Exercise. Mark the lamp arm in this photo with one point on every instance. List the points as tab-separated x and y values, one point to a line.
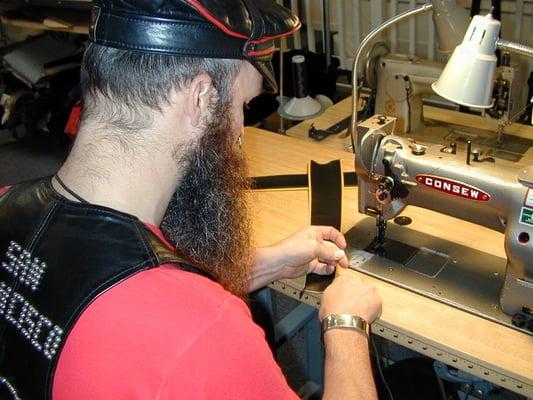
394	20
514	47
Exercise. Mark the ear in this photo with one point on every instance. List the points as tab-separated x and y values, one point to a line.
198	95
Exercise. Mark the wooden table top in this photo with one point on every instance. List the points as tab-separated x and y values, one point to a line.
479	346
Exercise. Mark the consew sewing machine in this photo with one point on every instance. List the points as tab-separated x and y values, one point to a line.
394	172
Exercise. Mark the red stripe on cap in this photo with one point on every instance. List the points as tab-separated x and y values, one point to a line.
207	15
4	189
264	52
267	38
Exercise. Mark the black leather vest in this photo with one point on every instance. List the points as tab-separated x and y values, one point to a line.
56	257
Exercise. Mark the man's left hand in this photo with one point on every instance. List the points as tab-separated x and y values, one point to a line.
316	249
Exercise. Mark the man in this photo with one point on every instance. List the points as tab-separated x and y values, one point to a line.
96	304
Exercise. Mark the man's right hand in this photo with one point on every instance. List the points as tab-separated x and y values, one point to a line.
348	371
349	294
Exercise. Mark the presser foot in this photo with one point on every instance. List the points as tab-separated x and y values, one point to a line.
376	246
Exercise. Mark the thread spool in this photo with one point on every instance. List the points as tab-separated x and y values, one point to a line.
301	106
299	77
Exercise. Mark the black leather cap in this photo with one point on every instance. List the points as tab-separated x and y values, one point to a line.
241	29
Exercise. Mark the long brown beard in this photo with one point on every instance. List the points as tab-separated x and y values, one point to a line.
207	218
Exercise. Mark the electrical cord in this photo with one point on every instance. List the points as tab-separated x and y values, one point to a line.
408	91
519	113
3	37
378	366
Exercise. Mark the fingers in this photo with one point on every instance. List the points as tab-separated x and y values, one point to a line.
329	253
331	234
321	268
344	262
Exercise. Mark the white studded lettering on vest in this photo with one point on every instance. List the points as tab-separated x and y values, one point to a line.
43	334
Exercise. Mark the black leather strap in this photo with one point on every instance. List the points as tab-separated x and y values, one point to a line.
326	193
325	208
292	181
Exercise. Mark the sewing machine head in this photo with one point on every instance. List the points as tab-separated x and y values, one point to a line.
400	82
395	171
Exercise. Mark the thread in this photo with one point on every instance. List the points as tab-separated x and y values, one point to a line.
299	77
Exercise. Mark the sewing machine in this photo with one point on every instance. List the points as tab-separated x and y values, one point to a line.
393	172
400	83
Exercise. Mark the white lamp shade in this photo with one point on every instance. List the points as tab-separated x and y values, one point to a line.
468	77
299	109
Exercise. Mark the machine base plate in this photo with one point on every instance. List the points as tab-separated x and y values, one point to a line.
457	275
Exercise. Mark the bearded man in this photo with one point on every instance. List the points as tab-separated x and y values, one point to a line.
95	303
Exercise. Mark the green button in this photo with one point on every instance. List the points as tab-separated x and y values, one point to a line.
527	216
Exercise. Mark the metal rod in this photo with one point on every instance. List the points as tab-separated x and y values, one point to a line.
325	32
281	82
514	47
412	30
311	45
296	36
357	22
431	39
355	92
393	31
519	13
340	34
376	13
282	45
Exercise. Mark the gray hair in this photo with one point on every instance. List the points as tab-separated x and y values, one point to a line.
123	89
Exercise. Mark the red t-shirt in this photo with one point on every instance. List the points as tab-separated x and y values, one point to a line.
167	334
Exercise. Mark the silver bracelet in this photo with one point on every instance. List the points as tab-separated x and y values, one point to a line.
345	321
